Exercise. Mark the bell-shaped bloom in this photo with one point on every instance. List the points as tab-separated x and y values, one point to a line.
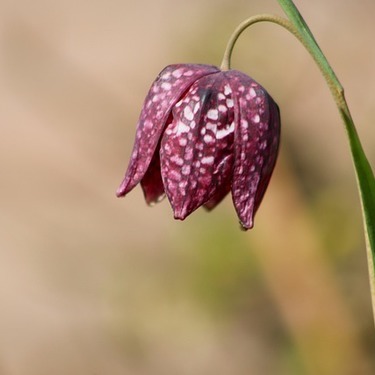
203	133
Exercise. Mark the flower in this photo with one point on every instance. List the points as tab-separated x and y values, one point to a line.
202	133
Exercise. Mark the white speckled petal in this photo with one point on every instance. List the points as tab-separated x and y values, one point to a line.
164	93
197	146
256	144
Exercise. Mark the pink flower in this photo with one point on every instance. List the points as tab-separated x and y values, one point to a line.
202	133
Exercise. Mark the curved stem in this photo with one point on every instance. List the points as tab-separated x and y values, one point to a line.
364	174
225	65
329	75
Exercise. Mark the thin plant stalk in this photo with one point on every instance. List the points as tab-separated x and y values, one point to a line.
364	173
365	177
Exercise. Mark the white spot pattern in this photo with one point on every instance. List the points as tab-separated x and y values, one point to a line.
196	108
181	128
213	114
177	73
166	86
227	90
256	118
225	132
162	96
182	142
208	160
188	113
208	152
208	138
222	108
254	161
252	93
222	134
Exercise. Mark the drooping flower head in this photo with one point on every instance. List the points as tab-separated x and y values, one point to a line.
203	133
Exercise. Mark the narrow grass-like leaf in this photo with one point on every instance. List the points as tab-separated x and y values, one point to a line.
364	173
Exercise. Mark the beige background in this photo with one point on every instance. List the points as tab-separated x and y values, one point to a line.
90	284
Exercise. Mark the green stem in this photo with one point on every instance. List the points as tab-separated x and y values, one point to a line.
365	177
309	43
364	173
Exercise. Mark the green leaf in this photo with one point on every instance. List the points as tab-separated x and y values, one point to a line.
364	173
366	187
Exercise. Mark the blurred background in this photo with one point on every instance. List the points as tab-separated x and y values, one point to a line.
91	284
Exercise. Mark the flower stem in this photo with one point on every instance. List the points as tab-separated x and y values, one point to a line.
309	43
364	174
226	63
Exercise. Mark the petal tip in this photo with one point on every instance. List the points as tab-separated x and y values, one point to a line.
245	211
180	215
122	189
246	226
180	212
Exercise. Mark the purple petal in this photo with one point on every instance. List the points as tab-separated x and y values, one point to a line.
256	143
197	147
166	90
152	183
225	176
